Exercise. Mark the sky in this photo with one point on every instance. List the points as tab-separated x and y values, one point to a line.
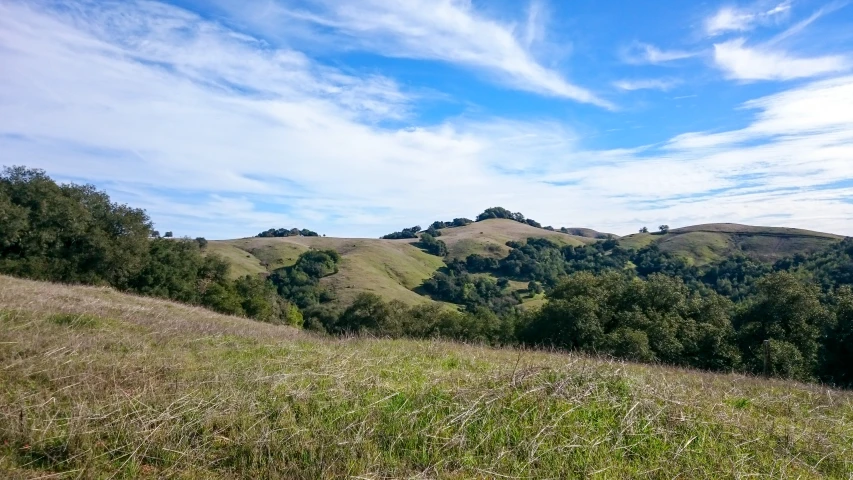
223	118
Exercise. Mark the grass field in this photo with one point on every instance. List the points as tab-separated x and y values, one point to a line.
97	384
702	244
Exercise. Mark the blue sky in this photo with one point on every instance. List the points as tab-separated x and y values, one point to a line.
356	118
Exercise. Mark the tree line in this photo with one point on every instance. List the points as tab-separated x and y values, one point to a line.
284	232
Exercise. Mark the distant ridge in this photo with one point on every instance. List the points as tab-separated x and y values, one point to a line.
753	230
707	243
588	233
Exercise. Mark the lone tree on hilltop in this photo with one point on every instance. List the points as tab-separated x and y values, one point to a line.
663	228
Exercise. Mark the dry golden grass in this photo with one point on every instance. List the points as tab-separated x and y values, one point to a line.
489	237
155	316
96	384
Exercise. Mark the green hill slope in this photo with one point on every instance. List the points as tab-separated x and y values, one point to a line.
393	268
386	267
97	384
390	268
702	244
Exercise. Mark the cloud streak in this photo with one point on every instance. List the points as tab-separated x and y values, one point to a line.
769	60
450	31
741	62
729	19
663	84
645	54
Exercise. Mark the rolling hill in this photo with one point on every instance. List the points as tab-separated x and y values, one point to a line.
390	268
488	238
99	384
702	244
394	268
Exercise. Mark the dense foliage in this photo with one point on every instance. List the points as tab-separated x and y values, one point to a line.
283	232
500	212
300	283
411	232
369	314
472	291
75	234
653	320
647	305
68	233
433	246
456	222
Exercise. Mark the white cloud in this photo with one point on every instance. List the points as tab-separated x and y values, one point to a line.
646	84
643	53
224	136
730	18
444	30
741	62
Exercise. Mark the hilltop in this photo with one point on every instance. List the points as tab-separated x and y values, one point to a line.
98	384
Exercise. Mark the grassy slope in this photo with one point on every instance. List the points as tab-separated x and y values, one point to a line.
703	244
385	267
242	262
489	237
271	253
393	268
390	268
99	384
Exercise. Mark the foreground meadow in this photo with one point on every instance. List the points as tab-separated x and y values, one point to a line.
98	384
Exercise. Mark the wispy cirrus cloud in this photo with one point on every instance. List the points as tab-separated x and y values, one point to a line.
663	84
742	62
730	18
771	60
643	53
444	30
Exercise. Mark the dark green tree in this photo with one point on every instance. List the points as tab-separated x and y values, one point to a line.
787	312
837	355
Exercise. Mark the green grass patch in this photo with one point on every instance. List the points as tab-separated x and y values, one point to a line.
76	320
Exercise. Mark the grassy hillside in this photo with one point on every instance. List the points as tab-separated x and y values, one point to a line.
270	253
242	262
97	384
489	237
394	268
390	268
702	244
